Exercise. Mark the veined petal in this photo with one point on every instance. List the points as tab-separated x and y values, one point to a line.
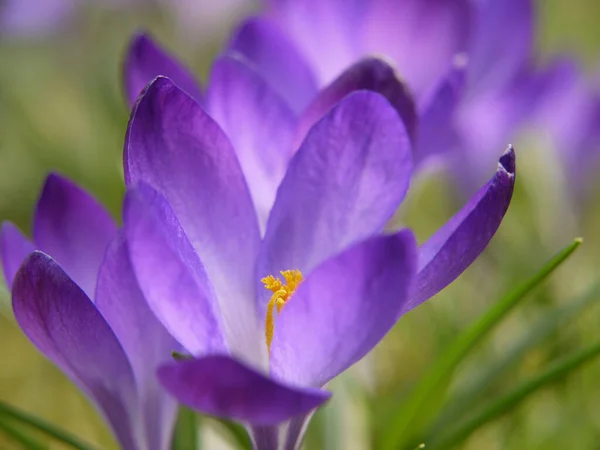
259	124
370	74
436	132
66	327
277	60
445	255
14	248
146	60
169	273
502	41
223	387
73	228
343	309
174	146
420	36
342	186
324	31
144	339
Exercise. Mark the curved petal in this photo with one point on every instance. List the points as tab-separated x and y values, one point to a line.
73	228
436	132
325	32
259	124
370	74
169	273
64	325
342	186
343	309
277	60
144	339
173	145
223	387
446	254
14	248
420	36
146	60
502	41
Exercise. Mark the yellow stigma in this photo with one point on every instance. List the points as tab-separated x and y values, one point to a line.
281	294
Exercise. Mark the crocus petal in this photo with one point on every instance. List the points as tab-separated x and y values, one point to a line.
72	227
14	248
342	186
64	324
343	309
420	36
324	31
436	133
173	145
146	60
144	339
223	387
259	124
445	255
502	41
277	60
371	74
170	275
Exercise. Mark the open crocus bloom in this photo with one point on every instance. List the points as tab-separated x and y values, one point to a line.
83	309
335	284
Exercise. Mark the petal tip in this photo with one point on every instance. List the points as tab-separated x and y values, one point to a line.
507	162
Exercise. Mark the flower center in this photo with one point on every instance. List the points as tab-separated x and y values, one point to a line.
281	295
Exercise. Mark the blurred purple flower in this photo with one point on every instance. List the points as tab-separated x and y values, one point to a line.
462	60
221	196
83	309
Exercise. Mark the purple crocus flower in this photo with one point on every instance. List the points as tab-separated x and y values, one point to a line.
235	188
82	308
463	62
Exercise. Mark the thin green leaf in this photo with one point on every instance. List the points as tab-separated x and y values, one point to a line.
15	434
43	426
429	388
185	436
237	433
504	404
464	401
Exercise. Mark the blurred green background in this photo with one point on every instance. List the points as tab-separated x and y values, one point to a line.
62	109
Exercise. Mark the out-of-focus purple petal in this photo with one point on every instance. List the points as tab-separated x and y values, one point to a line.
146	60
223	387
342	186
32	17
14	248
446	254
420	36
370	74
174	146
72	227
144	339
259	124
64	324
327	33
343	309
277	60
502	41
169	272
436	133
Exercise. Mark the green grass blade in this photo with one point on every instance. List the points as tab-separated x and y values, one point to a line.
16	435
540	331
504	404
429	388
237	433
43	426
185	436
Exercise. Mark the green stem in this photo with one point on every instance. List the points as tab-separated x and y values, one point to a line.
43	426
502	405
17	435
427	390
